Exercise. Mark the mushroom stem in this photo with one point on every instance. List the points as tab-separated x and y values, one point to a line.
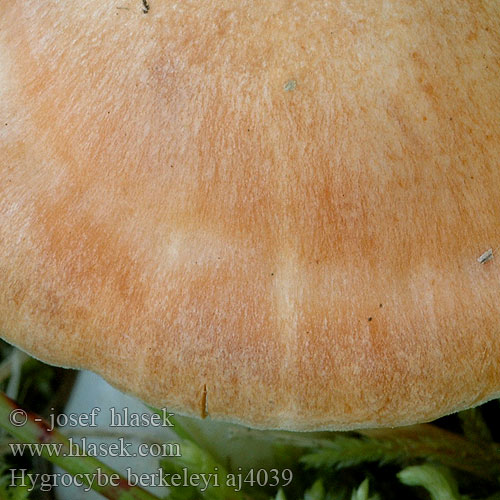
11	367
196	458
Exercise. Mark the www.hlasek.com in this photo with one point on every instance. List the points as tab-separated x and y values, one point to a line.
82	448
203	481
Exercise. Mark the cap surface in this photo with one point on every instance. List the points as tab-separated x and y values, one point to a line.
267	212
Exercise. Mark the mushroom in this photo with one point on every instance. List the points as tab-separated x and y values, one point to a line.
269	213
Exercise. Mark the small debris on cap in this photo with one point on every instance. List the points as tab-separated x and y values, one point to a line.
488	255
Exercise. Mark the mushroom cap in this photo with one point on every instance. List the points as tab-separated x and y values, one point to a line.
266	212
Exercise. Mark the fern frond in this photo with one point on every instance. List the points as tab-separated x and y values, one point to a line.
406	444
346	451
